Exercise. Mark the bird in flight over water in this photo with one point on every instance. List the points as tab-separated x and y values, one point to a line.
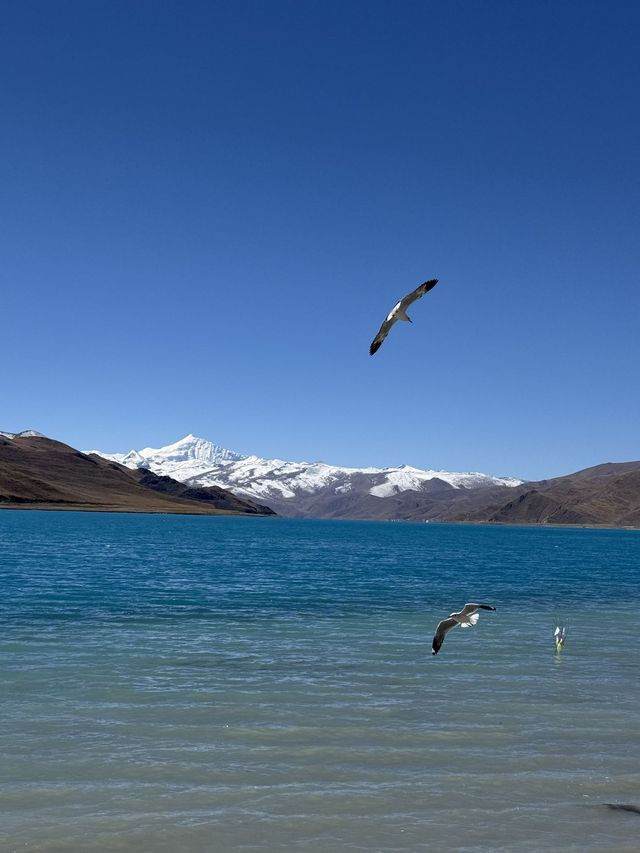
399	312
466	618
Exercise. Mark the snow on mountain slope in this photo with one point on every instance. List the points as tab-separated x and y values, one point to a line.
183	460
407	478
200	462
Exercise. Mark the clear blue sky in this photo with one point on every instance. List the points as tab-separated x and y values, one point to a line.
208	208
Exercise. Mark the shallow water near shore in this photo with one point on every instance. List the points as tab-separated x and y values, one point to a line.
229	684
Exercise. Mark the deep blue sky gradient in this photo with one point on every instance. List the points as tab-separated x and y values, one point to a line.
208	208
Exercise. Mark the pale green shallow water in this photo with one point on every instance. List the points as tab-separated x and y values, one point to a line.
190	684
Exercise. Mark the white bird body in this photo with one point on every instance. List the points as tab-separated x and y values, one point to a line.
399	312
465	621
466	618
560	635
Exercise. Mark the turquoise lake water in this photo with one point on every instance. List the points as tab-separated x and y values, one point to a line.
227	684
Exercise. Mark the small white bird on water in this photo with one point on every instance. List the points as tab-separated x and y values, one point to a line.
399	312
466	618
560	635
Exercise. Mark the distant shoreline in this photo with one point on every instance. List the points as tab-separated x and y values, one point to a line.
230	513
84	508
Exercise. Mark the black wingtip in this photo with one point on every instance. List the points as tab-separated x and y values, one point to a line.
374	348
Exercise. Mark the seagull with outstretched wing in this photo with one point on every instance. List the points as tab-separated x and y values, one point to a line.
466	618
399	312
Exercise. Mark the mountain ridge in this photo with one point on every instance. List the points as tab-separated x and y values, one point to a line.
36	471
284	485
607	494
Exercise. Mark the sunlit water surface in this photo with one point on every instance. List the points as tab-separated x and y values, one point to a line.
217	684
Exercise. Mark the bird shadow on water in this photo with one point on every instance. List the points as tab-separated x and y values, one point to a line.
622	807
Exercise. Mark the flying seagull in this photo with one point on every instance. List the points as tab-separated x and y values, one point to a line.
467	617
399	312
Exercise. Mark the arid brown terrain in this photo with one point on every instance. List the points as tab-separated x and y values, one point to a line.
40	473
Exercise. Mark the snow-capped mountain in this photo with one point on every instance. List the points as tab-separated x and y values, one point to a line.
26	433
184	460
297	488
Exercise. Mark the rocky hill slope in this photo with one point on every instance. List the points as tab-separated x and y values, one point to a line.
607	494
38	472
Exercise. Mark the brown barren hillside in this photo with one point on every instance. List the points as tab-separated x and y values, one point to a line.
607	495
38	472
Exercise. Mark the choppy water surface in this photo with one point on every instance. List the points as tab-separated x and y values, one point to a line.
219	684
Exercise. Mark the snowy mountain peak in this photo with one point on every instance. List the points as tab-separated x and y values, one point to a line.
133	459
26	433
183	460
284	484
191	448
